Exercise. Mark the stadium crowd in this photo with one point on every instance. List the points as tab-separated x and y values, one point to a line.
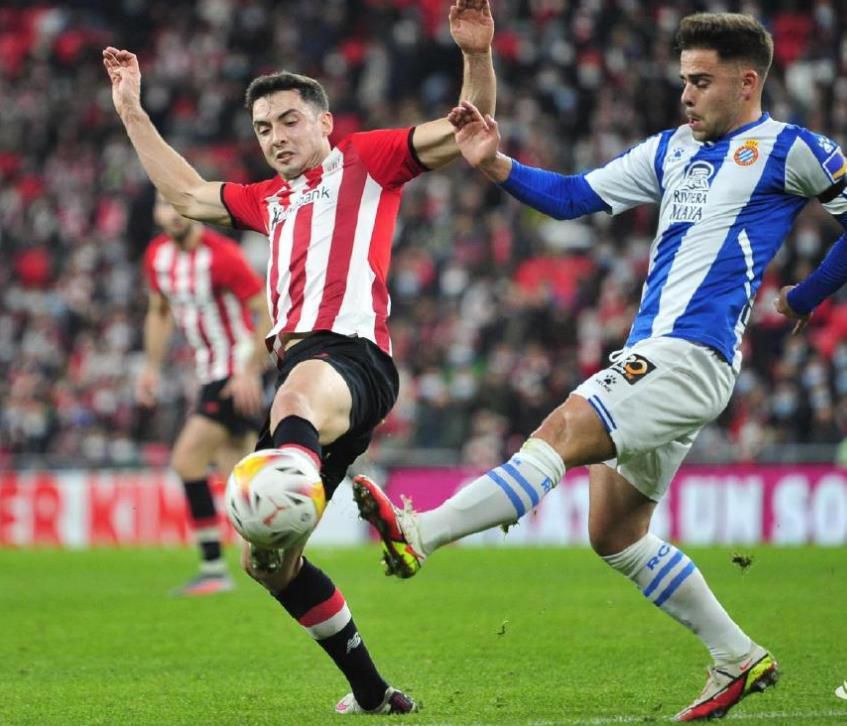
497	312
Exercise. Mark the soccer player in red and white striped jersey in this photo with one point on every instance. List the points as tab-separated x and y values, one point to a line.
329	215
201	281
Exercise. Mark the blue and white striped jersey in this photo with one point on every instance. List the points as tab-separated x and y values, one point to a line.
725	207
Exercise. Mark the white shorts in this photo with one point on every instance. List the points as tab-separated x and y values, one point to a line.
653	401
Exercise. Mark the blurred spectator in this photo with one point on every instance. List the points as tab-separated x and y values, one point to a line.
498	311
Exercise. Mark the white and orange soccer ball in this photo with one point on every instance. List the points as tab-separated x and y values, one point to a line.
274	498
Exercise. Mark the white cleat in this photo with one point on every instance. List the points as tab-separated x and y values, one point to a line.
395	702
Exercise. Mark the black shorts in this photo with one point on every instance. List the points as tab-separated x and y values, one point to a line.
221	410
372	379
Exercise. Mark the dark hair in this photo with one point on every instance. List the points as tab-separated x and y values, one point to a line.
734	36
310	90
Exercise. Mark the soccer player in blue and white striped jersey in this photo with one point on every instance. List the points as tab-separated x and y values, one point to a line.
729	185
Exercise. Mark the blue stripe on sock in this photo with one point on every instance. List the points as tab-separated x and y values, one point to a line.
675	583
599	412
513	497
606	411
664	571
525	485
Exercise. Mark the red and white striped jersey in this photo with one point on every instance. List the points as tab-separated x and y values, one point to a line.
330	233
207	289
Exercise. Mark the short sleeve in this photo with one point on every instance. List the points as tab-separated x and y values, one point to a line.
814	165
231	271
630	179
150	268
388	155
244	202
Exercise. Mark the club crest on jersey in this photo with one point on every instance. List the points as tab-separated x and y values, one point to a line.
633	368
747	153
690	197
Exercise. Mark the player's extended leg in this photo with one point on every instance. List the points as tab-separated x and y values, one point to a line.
572	434
619	517
310	409
194	451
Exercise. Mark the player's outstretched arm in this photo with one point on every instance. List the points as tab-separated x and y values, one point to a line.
190	194
557	195
472	28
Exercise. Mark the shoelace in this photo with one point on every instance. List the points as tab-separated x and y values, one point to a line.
616	355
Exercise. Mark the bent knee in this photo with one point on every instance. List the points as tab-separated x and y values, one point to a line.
290	402
608	540
603	543
576	433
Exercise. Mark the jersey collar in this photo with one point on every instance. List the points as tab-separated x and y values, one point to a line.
741	129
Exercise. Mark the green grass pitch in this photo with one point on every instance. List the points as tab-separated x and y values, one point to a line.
480	636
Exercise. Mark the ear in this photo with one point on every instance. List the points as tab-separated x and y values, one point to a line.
751	83
327	123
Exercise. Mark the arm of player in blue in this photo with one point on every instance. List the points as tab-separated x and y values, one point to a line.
556	195
829	276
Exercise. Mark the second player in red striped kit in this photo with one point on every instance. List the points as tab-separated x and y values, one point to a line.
200	282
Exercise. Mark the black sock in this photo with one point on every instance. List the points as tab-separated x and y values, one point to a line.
312	599
298	432
204	518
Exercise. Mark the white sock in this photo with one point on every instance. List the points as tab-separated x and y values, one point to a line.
669	579
500	496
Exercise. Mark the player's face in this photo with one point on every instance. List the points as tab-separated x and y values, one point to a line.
172	222
293	134
716	95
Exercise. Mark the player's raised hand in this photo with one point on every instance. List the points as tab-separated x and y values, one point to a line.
123	70
147	387
471	25
477	136
783	308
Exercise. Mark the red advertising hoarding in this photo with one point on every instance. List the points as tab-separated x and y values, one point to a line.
705	505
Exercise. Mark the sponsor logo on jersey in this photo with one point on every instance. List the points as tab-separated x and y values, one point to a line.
691	196
606	381
747	153
633	368
279	213
835	166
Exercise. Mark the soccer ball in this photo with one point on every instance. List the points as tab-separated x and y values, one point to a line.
274	498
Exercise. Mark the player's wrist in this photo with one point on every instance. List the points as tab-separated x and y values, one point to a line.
477	53
253	366
130	112
497	168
